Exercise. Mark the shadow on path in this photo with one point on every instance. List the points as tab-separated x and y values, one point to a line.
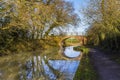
106	68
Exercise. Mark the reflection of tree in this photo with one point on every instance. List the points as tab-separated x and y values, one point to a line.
61	66
56	72
30	68
34	69
11	66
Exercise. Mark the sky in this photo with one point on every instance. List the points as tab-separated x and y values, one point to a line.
79	5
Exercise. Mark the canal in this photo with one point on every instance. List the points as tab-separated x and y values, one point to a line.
32	66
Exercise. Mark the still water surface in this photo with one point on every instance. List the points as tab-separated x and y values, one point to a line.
69	52
37	67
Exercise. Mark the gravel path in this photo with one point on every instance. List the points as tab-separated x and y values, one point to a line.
106	68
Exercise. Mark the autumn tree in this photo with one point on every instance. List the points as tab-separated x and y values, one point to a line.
104	16
39	16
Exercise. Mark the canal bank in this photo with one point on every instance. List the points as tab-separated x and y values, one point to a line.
86	69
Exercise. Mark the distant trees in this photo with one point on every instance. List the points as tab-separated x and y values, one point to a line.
104	15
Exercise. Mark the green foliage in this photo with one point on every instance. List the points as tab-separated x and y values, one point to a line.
105	24
82	48
72	41
85	70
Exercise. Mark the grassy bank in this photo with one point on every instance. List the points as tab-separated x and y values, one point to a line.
85	70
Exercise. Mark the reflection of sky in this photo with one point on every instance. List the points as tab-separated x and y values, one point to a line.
64	66
79	5
70	52
67	68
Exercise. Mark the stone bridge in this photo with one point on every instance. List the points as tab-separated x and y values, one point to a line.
82	39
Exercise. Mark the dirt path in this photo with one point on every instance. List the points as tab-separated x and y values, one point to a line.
107	69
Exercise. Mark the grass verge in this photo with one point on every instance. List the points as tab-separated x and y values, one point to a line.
85	70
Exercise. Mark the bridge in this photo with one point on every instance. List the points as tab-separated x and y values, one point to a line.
82	39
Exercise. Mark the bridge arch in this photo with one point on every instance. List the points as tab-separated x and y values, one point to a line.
82	39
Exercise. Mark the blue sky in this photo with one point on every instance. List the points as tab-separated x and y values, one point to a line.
79	5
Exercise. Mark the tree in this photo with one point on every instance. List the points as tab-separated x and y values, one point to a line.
63	15
105	22
41	16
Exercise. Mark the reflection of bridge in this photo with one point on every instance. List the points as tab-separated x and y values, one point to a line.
82	39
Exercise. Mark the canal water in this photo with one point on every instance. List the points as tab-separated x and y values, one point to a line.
36	67
70	52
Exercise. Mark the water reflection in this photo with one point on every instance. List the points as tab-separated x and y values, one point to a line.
69	52
66	68
36	67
